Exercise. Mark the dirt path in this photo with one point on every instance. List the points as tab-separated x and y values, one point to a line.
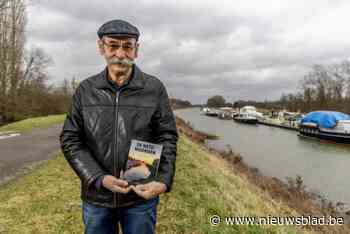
25	151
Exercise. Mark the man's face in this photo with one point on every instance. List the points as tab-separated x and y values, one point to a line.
119	52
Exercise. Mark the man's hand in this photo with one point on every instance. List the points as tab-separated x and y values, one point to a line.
115	185
149	190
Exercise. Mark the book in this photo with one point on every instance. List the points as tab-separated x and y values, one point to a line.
143	162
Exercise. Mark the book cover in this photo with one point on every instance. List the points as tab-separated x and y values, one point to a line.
143	162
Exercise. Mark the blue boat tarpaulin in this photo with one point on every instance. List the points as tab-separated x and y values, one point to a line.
325	119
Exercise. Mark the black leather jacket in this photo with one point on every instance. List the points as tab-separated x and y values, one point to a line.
102	121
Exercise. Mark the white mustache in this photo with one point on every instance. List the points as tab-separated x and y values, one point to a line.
125	62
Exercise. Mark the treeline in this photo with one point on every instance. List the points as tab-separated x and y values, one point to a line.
325	87
178	103
24	91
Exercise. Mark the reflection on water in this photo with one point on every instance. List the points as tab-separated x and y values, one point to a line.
281	153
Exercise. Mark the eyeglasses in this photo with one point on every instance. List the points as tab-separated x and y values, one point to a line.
114	46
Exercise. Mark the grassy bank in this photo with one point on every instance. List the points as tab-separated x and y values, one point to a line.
292	194
47	200
29	124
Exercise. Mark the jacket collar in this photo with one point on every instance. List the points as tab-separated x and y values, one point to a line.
137	80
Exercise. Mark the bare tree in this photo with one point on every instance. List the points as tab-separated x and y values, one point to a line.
3	5
36	62
12	23
325	87
24	91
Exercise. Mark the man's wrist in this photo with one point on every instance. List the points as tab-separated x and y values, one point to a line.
98	182
164	182
161	186
164	187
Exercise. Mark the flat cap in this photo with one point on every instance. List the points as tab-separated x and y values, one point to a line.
118	28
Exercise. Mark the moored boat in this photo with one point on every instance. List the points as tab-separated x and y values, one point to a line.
246	118
209	112
251	110
226	113
326	125
248	114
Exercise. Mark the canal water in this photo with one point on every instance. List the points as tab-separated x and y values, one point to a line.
324	167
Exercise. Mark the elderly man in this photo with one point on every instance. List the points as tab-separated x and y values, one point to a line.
109	110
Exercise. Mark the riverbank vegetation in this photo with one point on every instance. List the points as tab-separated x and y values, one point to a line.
178	103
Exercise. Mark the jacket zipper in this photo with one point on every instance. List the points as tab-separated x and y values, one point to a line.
116	195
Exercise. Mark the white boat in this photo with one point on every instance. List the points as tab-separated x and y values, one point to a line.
248	114
209	112
226	113
252	111
247	118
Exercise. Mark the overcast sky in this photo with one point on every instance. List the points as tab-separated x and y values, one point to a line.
241	49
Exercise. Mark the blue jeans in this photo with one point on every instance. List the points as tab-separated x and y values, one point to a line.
140	218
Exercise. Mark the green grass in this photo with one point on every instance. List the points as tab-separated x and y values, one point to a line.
29	124
47	200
